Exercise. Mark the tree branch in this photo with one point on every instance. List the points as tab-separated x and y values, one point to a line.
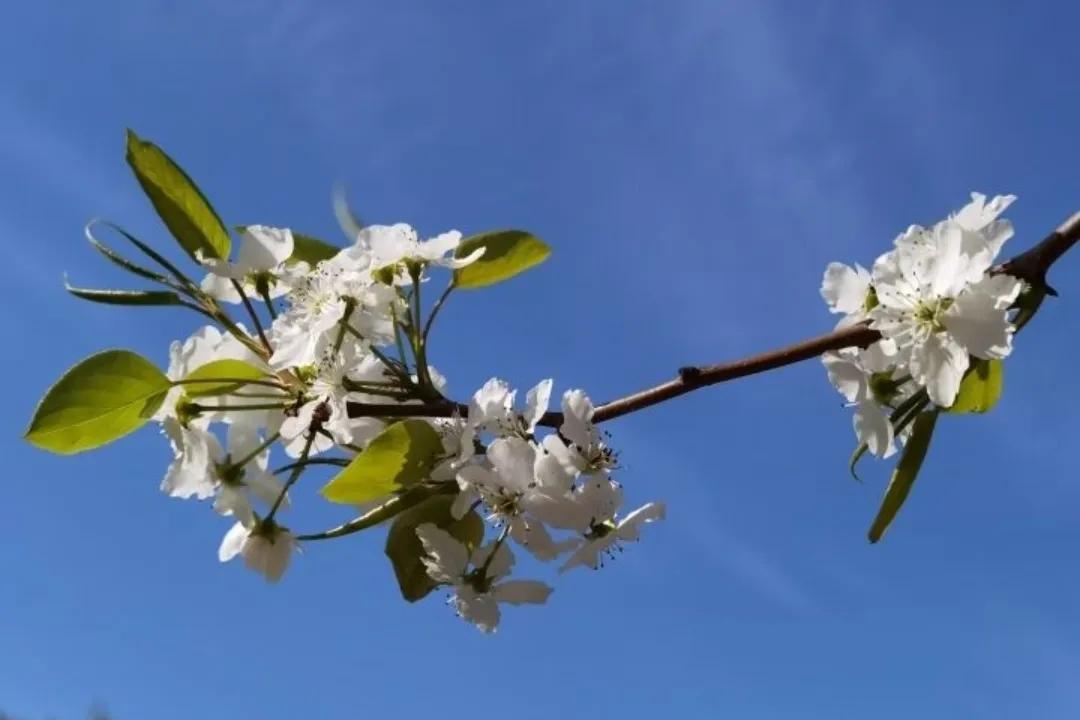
1031	266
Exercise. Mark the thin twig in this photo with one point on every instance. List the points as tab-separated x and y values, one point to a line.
1031	266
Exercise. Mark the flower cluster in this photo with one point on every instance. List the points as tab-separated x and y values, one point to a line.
346	333
940	309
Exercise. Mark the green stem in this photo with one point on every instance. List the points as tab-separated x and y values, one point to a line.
419	349
264	293
252	314
254	453
294	475
383	512
435	311
402	376
338	462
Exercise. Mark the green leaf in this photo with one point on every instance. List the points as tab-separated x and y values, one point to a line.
101	399
980	389
125	297
200	381
904	475
506	253
311	250
180	204
399	456
405	550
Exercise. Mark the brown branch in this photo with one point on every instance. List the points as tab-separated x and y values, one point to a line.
1030	266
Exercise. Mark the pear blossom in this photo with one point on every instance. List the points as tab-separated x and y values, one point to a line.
872	383
265	546
260	265
605	538
392	245
938	302
586	451
491	409
518	482
201	468
847	291
206	345
476	592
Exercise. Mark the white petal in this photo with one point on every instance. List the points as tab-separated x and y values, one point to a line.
846	375
522	592
514	460
220	288
438	246
577	426
264	248
481	610
844	288
233	542
627	528
872	427
446	558
939	363
536	403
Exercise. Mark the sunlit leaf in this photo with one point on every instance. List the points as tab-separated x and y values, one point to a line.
103	398
981	387
220	377
904	474
506	253
399	456
178	201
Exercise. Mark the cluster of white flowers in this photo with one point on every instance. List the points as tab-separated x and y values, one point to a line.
339	338
937	304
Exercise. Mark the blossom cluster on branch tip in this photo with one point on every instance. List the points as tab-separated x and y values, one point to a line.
941	310
339	337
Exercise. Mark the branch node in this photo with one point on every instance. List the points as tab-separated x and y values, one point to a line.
689	373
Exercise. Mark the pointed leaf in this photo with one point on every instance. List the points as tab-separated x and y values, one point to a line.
178	201
980	389
311	250
904	475
405	550
125	297
201	380
401	455
506	253
101	399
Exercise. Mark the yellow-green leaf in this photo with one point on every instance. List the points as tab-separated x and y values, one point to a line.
103	398
506	253
220	377
981	387
178	201
405	550
904	475
311	250
399	456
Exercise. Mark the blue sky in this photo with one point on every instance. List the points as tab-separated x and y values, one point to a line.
694	165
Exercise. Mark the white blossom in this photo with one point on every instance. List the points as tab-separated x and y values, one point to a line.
938	302
266	547
260	260
476	592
